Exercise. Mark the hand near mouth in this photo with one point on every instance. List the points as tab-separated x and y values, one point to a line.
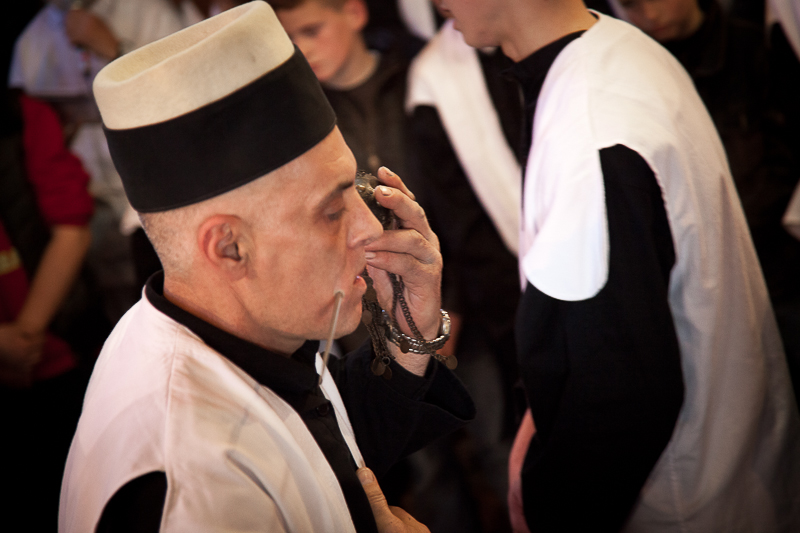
411	251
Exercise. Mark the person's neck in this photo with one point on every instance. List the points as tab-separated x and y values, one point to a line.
360	65
222	309
534	25
693	23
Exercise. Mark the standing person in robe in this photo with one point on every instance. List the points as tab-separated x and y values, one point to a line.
206	410
651	360
466	125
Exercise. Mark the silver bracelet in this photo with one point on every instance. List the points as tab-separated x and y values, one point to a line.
410	344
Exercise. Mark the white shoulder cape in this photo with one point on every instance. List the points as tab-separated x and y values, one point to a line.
237	457
733	462
447	75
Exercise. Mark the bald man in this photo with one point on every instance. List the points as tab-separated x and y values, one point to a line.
209	408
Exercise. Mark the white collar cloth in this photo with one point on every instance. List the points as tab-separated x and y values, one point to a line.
447	75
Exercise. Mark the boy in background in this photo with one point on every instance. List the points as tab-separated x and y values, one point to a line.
364	82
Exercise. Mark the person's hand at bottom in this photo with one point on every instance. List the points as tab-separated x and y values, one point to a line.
390	519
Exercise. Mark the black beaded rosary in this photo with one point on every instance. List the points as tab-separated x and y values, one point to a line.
375	318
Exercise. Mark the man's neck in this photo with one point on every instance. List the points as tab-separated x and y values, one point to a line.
533	25
220	308
361	64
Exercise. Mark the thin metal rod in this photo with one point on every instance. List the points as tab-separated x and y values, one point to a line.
337	304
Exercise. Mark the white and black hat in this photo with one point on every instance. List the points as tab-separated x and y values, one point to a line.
210	108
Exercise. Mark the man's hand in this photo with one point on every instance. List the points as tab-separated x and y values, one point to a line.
515	461
389	519
19	353
411	251
87	30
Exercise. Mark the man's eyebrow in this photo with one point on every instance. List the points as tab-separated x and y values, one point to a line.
341	187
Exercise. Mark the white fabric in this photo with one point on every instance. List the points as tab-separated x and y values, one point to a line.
237	457
418	17
447	75
192	68
733	462
46	64
791	219
787	13
331	392
138	23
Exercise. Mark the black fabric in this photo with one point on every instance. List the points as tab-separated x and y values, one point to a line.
38	425
603	375
224	144
390	418
136	507
381	411
372	116
480	280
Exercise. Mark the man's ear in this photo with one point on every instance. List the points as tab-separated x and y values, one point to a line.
222	243
357	13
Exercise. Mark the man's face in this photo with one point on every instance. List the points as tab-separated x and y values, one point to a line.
309	243
664	20
325	35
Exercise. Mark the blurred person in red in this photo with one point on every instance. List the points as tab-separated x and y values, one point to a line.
45	210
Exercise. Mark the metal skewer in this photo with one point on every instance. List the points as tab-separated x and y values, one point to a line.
337	304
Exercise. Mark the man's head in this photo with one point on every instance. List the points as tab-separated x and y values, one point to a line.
266	226
664	20
328	32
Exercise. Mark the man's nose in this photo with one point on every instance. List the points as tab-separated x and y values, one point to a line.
366	227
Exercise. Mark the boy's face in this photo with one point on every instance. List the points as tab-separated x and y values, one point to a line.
664	20
324	34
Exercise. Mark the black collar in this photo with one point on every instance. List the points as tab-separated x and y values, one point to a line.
292	378
703	53
531	71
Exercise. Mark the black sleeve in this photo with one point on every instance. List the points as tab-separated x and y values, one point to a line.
136	507
393	418
603	375
479	279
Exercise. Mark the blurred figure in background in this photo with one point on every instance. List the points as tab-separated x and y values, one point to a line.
45	209
466	124
55	59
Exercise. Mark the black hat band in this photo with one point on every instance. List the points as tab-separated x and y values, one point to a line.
225	144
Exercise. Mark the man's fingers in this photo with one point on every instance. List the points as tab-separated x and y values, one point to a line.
404	206
377	501
387	177
388	519
410	243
